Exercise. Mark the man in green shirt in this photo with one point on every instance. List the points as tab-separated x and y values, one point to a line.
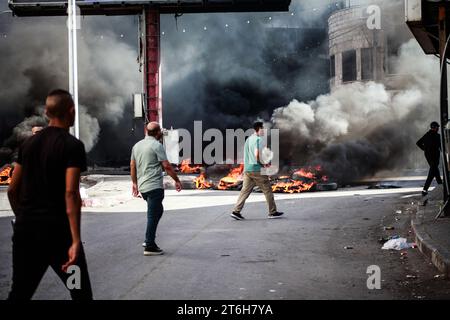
148	159
252	175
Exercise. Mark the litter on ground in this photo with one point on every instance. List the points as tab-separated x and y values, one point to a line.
397	244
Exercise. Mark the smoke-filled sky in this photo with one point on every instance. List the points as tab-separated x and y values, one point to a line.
226	70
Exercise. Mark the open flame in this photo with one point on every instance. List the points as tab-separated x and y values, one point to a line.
303	179
202	183
5	175
229	182
232	179
187	167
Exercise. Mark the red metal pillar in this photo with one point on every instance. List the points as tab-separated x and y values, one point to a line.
152	78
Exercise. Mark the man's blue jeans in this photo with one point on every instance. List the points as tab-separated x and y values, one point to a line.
155	210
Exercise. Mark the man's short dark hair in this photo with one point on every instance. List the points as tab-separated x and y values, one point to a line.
60	103
258	125
434	125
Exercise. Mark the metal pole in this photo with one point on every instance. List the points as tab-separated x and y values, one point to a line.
69	30
443	98
152	64
73	62
75	69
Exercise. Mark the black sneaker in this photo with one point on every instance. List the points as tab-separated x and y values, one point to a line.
275	215
237	216
153	251
424	193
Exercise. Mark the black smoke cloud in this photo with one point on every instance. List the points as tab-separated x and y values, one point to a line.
225	76
34	61
361	129
242	67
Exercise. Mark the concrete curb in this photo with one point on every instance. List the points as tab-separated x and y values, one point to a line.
438	255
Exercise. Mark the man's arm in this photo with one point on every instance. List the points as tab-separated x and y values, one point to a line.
133	173
73	210
258	156
14	186
421	143
168	168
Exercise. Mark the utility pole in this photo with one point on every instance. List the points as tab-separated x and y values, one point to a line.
444	100
152	69
73	61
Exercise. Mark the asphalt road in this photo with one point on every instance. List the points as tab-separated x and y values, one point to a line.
211	256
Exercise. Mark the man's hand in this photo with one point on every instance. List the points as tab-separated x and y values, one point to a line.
135	190
73	254
73	209
169	169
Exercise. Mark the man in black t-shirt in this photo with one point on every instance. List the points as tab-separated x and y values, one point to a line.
44	195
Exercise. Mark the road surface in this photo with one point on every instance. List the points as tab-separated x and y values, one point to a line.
211	256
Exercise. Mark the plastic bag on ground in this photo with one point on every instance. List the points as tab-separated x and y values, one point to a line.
397	244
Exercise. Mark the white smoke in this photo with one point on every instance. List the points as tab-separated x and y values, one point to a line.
34	62
89	129
89	136
349	118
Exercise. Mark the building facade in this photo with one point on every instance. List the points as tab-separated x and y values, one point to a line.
358	52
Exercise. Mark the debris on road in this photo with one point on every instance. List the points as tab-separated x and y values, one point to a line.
348	247
383	240
389	228
410	276
397	244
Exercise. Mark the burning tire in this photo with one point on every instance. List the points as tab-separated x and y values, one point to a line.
230	184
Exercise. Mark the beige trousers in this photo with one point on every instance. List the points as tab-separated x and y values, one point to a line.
252	179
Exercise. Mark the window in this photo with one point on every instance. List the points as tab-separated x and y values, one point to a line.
349	66
332	66
392	51
367	64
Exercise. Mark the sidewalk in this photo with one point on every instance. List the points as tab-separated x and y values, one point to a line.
433	236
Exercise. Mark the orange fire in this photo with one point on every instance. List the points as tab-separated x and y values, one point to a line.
186	167
304	173
303	179
232	179
5	175
292	186
201	182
